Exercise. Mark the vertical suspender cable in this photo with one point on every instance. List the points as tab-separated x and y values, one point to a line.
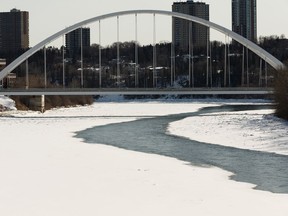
207	54
190	54
225	62
260	72
81	42
154	52
247	65
100	57
192	46
63	61
211	68
27	74
243	67
136	52
173	52
45	67
229	65
266	74
118	54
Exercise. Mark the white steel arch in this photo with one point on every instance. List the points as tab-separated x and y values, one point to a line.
274	62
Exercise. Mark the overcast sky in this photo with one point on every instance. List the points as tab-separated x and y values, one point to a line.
48	17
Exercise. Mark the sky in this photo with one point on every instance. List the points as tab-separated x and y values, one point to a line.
49	17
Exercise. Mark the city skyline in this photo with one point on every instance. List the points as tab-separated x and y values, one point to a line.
44	23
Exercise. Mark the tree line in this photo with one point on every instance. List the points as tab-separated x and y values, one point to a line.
235	64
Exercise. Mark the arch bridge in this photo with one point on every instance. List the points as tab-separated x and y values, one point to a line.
264	55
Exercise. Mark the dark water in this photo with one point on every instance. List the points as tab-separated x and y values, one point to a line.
266	170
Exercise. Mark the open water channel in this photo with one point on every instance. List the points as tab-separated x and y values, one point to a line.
268	171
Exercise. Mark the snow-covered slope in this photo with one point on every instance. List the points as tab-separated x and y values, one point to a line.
6	103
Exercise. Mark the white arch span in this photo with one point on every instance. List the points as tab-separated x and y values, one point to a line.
274	62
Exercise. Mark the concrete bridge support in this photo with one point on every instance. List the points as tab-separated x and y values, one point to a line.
37	103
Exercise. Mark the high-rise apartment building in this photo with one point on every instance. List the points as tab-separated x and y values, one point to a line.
244	18
73	42
200	33
14	32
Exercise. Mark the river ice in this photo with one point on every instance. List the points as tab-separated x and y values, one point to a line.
255	130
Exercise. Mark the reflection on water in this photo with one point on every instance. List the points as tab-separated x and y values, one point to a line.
266	170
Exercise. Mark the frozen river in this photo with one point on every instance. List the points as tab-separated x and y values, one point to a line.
110	158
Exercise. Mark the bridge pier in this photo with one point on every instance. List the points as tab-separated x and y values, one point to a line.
37	103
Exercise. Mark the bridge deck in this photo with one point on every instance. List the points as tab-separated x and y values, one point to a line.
137	91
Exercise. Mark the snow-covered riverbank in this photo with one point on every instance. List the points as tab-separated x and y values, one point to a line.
46	171
6	104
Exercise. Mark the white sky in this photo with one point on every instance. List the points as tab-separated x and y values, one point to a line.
48	17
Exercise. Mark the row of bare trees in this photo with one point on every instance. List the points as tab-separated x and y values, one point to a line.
216	56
